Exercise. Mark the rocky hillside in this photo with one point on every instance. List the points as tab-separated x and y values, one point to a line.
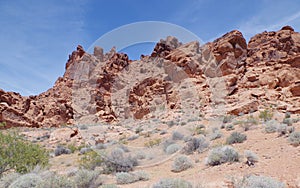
226	76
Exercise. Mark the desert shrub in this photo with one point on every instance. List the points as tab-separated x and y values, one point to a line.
250	156
177	135
266	115
83	127
20	155
99	146
124	148
251	121
254	181
171	123
199	129
167	143
117	161
86	178
152	143
55	181
2	124
172	183
271	126
127	178
282	129
221	155
8	179
216	133
290	129
236	137
287	115
181	163
59	150
90	160
84	150
133	137
294	138
109	186
288	121
140	155
227	118
229	127
173	148
195	144
27	180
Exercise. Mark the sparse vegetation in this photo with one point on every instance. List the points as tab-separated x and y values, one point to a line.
216	133
199	129
221	155
236	137
117	161
181	163
131	177
173	148
266	115
177	135
195	144
87	178
251	157
152	143
172	183
294	138
20	155
271	126
90	160
2	124
254	181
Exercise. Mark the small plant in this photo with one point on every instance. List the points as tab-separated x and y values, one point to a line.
138	130
83	127
229	127
173	148
251	121
8	179
199	129
181	163
127	178
236	137
221	155
195	144
251	157
172	183
20	155
2	124
59	150
227	118
86	178
287	115
288	121
90	160
27	180
282	129
266	115
177	135
109	186
254	181
167	143
294	138
271	126
53	180
152	143
117	161
216	133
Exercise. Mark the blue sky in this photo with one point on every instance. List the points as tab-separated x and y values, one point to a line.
36	36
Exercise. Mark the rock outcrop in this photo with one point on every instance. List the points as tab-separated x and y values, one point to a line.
224	76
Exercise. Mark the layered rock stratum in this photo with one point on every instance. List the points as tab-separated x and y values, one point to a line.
226	76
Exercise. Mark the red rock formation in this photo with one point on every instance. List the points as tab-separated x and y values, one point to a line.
227	71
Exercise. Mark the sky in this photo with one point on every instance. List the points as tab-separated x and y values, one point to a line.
36	37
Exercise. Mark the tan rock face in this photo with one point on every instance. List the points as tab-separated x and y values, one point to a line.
226	72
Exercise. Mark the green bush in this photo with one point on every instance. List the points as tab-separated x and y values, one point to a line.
294	138
90	160
236	137
221	155
20	155
181	163
172	183
266	115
